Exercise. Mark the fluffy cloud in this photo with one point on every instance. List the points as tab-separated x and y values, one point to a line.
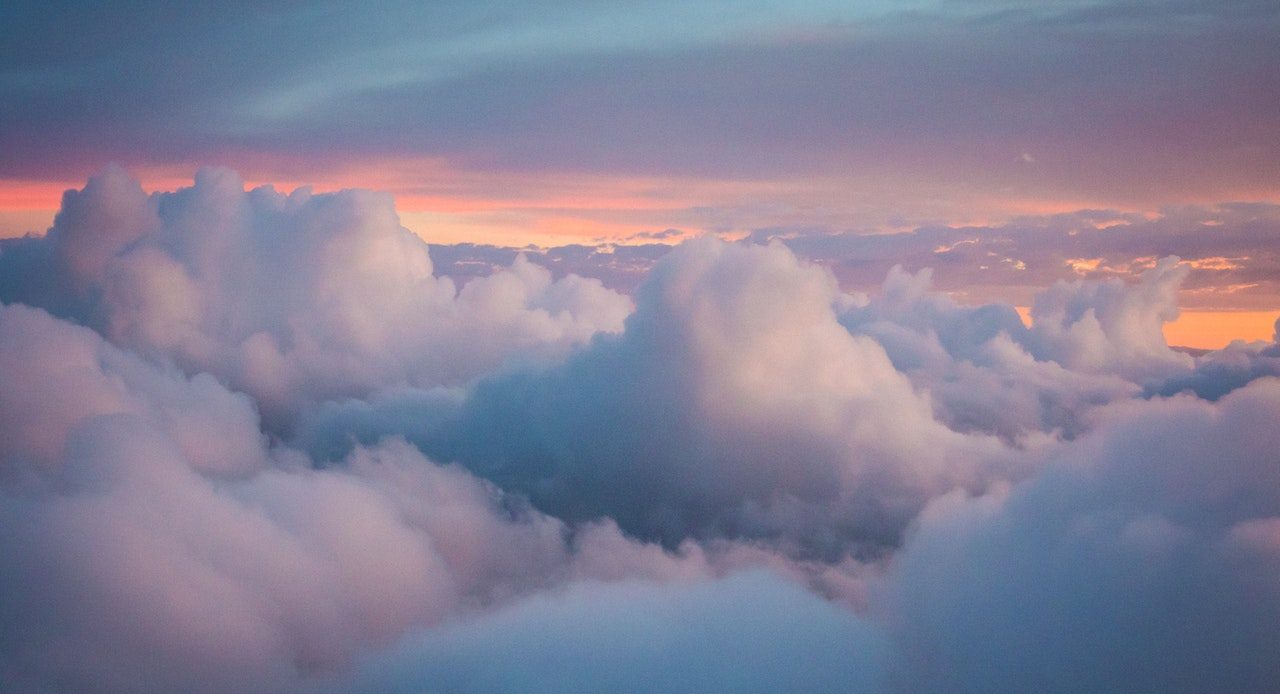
153	540
749	396
1110	327
524	483
290	298
54	376
734	403
1220	372
980	363
1143	559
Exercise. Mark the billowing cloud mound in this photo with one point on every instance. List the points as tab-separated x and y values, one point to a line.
249	442
289	298
986	371
749	396
153	540
1110	327
1144	559
734	403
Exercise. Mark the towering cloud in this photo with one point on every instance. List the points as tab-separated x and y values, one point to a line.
1108	327
734	402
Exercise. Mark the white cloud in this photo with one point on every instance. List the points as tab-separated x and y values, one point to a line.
295	298
1143	559
734	403
940	495
1108	326
153	541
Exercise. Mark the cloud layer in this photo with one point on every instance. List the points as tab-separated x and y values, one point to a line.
253	442
1229	251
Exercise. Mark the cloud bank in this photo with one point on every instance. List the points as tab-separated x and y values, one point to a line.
1228	249
252	442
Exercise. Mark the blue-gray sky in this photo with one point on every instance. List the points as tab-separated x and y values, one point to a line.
696	115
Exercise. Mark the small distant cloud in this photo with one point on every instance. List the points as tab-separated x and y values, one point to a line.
664	235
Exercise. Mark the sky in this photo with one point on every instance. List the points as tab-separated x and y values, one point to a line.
667	347
565	123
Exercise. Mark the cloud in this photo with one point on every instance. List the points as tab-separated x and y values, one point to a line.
1222	371
1142	559
622	268
54	376
748	633
154	541
749	397
733	403
1228	250
253	442
290	298
1109	327
985	370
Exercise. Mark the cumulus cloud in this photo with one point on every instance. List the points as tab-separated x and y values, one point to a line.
290	298
749	396
986	370
54	376
252	442
1221	371
733	403
153	540
1143	559
1109	327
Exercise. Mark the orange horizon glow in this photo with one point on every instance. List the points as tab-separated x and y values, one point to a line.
503	207
1200	329
1217	329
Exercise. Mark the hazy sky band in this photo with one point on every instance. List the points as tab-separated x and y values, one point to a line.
1135	103
586	123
